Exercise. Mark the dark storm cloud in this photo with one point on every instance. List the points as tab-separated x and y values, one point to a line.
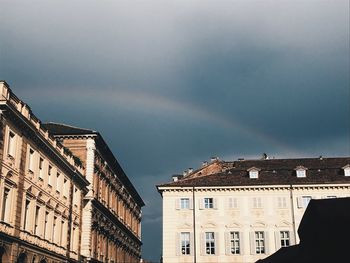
171	83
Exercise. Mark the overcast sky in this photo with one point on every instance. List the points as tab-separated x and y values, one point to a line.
171	83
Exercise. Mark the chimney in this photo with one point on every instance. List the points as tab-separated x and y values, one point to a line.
213	159
204	163
190	170
184	173
176	177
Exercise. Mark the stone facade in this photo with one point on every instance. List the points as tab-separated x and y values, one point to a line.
111	229
225	212
41	189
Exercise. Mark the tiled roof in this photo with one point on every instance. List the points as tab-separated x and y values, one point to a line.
272	172
64	129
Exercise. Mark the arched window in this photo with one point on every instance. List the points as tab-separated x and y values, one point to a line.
22	258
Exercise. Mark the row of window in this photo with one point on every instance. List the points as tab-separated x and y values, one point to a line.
233	242
37	163
256	202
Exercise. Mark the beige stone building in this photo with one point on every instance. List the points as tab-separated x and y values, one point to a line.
244	210
111	228
41	189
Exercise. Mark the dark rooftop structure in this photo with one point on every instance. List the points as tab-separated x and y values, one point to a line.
323	232
270	172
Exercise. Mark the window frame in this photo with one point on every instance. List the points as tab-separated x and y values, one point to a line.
208	202
11	144
235	243
185	243
210	248
259	240
284	238
184	203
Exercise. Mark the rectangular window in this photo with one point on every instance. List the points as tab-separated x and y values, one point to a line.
301	173
257	202
65	187
259	242
185	243
234	243
208	202
233	203
26	213
306	200
11	148
41	169
49	172
36	226
58	182
285	239
62	231
46	223
5	205
210	243
184	203
282	202
31	160
54	228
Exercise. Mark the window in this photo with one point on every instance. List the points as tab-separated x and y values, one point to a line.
259	242
253	174
232	203
234	243
185	243
11	148
26	213
54	228
46	223
306	200
282	202
285	239
5	205
61	234
209	243
41	171
347	170
301	173
208	203
49	172
65	188
36	226
184	203
58	182
257	202
31	160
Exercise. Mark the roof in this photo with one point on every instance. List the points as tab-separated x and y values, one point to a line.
64	129
272	172
60	129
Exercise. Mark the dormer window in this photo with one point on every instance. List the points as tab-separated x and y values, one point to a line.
346	169
253	173
300	171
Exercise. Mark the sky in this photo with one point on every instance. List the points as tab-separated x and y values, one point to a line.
170	84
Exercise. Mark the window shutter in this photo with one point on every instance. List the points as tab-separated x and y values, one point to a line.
300	202
217	243
201	203
191	203
177	203
230	203
177	244
227	243
252	243
241	243
292	238
277	240
191	244
215	203
202	244
267	241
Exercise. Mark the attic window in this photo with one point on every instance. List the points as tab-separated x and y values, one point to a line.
300	171
347	170
253	173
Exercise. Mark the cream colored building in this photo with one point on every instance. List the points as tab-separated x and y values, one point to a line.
111	228
244	210
41	188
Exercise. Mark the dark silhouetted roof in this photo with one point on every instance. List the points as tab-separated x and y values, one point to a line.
272	172
64	129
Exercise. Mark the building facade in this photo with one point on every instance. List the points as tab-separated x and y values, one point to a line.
41	189
111	228
244	210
